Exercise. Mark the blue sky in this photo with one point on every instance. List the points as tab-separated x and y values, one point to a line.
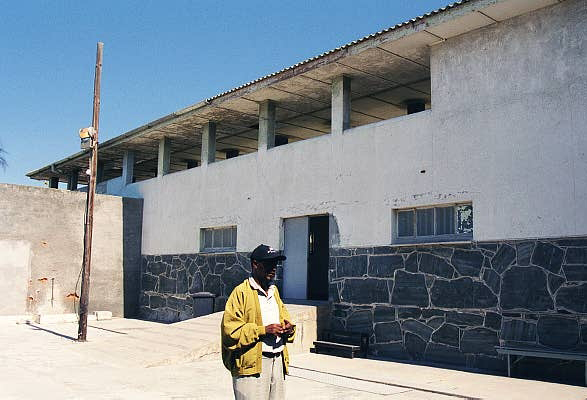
159	56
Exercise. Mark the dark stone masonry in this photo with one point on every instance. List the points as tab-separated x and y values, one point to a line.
169	281
453	303
442	303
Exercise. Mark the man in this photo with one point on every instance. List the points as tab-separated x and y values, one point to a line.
255	329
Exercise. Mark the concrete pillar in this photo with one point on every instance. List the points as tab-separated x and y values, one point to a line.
128	165
54	182
72	179
209	143
164	157
266	125
341	104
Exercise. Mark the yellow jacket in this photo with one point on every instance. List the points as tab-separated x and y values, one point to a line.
241	327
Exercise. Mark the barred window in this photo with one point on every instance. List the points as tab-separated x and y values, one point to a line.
218	239
441	223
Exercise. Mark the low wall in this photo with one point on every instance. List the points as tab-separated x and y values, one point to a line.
168	281
41	251
453	303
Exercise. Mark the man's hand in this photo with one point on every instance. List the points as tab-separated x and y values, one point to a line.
288	328
274	329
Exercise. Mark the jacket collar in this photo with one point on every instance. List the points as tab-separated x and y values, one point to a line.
256	286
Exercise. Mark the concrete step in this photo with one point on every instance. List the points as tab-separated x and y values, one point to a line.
151	344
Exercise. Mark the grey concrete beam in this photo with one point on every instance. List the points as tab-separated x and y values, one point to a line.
164	156
266	125
341	104
209	143
128	166
72	179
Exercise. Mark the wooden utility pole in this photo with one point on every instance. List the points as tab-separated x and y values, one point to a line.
85	292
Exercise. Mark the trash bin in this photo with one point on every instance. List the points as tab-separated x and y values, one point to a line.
203	303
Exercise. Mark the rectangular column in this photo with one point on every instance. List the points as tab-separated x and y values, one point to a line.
128	165
209	143
341	104
164	157
267	124
72	179
54	182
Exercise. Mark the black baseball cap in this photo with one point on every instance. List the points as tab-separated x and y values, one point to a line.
264	253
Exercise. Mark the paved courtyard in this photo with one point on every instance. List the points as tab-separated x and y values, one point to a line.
128	359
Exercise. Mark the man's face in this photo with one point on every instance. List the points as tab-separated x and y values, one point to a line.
264	271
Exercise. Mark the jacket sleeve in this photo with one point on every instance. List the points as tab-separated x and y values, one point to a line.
236	332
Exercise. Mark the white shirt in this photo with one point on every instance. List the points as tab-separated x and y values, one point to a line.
270	315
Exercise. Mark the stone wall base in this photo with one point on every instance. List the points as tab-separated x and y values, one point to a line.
453	303
449	304
168	282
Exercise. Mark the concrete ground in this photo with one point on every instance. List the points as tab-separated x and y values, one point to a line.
128	359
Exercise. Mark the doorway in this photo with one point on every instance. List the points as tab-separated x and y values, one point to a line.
306	246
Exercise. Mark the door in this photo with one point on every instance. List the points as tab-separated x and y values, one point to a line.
295	267
306	246
318	247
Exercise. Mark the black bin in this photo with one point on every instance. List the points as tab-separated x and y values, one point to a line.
203	303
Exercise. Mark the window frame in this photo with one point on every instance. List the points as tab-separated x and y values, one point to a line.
416	239
222	229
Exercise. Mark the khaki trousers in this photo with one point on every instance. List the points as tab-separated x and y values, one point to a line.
270	385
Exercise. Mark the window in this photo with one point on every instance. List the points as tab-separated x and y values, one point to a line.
434	224
216	240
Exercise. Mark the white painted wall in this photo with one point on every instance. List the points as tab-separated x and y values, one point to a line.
15	272
507	131
115	185
509	105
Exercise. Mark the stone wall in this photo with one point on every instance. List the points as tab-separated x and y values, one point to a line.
168	281
454	303
445	303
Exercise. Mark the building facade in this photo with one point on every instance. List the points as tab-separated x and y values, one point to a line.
441	211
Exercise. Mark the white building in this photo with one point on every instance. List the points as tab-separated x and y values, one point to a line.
490	164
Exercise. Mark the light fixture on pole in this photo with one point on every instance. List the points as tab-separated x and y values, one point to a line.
86	136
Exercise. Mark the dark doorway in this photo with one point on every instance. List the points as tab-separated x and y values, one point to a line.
318	247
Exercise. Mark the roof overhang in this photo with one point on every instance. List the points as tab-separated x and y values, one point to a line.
386	67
